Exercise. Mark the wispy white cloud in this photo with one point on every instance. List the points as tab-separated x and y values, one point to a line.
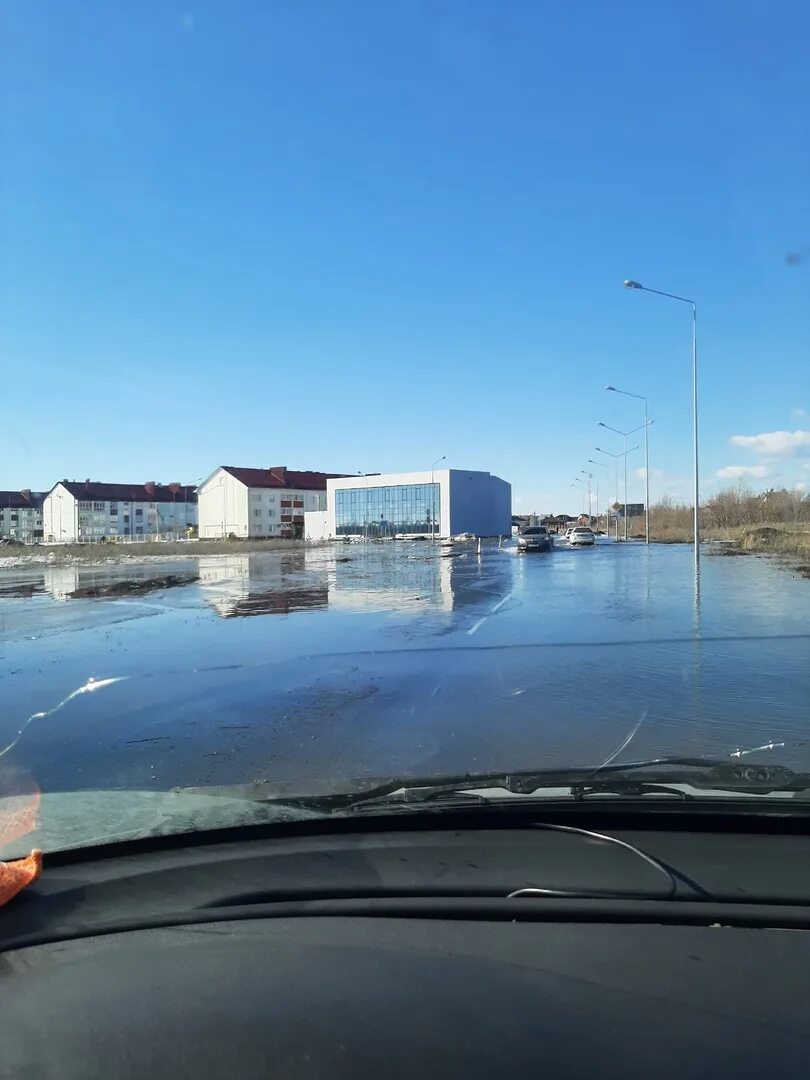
775	444
655	474
740	472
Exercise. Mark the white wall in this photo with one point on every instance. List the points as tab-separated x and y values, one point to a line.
222	506
316	525
59	521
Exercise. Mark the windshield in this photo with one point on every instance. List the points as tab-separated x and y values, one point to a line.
279	285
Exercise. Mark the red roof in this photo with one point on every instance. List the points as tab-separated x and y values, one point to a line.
22	500
281	477
148	492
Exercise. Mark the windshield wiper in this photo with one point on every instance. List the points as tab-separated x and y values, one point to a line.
661	774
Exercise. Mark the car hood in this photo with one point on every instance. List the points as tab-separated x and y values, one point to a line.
71	819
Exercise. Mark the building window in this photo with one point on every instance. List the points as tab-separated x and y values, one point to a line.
85	506
411	509
98	506
271	513
139	513
257	513
139	530
126	519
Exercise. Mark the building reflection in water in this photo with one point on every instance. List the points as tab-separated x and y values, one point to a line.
238	586
367	578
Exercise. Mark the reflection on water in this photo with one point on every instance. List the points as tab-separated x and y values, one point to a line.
77	582
243	585
397	660
362	578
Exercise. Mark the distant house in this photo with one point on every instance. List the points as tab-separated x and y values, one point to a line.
21	515
247	503
78	511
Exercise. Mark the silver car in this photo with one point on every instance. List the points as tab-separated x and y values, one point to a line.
581	536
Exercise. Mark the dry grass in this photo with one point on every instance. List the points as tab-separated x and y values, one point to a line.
774	538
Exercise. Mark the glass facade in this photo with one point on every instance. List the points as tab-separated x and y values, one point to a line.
413	509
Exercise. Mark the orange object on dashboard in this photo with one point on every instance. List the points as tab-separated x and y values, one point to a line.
15	875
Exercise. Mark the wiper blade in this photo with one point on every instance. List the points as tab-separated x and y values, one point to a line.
620	779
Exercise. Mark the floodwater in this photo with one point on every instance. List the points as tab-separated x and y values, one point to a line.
302	670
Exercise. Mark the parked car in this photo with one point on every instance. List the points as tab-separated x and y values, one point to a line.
581	536
535	538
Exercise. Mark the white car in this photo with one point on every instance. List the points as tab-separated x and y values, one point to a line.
581	536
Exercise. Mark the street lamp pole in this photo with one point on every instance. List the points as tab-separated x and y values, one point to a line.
641	397
624	435
616	464
590	478
582	489
433	498
695	495
602	465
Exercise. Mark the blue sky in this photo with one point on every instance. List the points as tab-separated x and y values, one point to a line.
358	236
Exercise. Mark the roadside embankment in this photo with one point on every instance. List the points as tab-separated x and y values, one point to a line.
59	554
753	539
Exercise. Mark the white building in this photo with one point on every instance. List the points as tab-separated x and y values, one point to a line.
443	503
21	515
85	511
258	502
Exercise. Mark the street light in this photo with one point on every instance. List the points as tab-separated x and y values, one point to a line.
684	300
616	479
646	460
433	498
624	435
582	489
590	476
602	465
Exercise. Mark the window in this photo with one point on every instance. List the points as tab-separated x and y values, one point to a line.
113	510
139	530
98	506
85	505
411	509
126	519
271	513
257	513
138	512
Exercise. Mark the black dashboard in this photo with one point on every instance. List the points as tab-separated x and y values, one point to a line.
391	950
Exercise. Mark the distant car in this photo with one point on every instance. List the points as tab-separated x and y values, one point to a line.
581	537
535	538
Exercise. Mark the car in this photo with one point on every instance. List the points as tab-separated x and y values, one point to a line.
581	537
535	538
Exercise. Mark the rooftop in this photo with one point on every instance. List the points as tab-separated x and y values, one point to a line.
151	491
22	500
279	476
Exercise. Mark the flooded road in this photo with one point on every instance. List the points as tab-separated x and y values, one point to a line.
301	669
